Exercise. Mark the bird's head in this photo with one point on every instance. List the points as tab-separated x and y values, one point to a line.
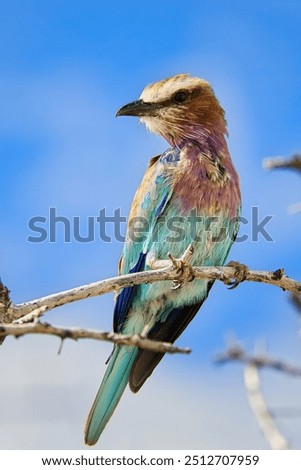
179	108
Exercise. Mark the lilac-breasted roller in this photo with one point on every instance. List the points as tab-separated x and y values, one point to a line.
190	200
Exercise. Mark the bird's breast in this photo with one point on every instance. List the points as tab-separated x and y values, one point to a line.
207	185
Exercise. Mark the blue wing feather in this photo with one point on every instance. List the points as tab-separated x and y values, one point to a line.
150	207
125	297
161	206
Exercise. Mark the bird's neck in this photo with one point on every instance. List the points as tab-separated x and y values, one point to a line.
209	141
206	166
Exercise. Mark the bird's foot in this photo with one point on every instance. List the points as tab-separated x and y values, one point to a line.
240	274
183	270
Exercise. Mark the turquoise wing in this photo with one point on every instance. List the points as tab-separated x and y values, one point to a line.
150	201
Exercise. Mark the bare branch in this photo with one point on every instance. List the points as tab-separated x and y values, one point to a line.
260	410
225	274
293	163
21	314
236	353
32	316
78	333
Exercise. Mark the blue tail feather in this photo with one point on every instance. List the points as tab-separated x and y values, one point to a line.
110	391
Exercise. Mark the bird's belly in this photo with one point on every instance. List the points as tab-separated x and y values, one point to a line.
155	301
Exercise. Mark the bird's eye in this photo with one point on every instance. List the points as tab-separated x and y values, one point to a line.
180	96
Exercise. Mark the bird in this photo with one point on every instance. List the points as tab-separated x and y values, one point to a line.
190	202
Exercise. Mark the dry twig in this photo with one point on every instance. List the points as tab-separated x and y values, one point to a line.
237	353
78	333
276	163
225	274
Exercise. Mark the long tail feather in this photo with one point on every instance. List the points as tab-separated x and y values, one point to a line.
110	392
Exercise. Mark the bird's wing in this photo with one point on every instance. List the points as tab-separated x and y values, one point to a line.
167	331
148	205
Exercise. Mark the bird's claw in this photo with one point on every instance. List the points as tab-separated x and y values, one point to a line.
183	270
240	274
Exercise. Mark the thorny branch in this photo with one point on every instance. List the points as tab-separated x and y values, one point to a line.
78	333
225	274
30	311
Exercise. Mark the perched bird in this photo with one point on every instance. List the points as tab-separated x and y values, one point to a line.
190	200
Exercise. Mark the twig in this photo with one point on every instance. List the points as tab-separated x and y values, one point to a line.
293	163
32	316
78	333
20	314
260	410
224	274
236	353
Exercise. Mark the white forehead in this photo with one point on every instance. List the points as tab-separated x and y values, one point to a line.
165	88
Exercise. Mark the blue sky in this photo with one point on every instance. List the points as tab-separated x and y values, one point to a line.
65	68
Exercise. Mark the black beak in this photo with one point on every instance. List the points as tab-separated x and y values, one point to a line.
137	108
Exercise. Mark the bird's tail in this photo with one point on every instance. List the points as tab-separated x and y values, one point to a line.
110	392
